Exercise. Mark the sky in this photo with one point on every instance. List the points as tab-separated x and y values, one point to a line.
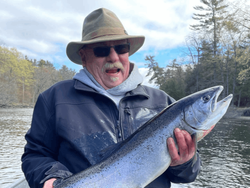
41	29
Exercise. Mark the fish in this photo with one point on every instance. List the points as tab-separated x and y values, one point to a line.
144	156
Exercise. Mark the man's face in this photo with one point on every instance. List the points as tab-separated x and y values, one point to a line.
109	71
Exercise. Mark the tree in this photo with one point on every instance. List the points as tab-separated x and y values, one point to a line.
22	79
174	83
23	73
8	85
65	73
240	14
153	68
44	77
243	78
217	53
235	40
210	23
170	79
193	54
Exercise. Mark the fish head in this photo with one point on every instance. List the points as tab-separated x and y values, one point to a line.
204	111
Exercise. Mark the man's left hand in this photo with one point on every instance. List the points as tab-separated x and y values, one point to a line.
186	147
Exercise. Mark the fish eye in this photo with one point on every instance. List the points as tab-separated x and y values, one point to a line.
206	98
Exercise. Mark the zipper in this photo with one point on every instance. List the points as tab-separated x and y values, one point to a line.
128	112
119	126
120	135
128	120
119	129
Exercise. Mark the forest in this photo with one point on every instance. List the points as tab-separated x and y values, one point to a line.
217	52
22	80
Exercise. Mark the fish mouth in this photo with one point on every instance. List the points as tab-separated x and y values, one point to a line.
218	108
214	102
224	103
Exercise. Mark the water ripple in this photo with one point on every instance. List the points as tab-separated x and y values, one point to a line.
224	152
14	123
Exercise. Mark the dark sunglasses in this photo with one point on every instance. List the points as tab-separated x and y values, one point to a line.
104	51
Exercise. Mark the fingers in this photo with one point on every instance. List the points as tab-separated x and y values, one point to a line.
186	147
190	142
181	142
173	152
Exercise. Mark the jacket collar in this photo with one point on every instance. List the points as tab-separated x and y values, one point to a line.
83	87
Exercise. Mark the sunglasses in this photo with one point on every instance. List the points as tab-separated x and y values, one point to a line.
104	51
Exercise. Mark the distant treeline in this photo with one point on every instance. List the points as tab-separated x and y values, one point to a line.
217	53
22	80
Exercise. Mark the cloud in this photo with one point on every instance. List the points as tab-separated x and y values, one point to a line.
41	28
143	72
165	23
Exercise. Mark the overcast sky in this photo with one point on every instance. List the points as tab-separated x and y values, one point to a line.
42	29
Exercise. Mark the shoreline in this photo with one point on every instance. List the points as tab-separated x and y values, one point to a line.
3	106
237	113
243	118
232	112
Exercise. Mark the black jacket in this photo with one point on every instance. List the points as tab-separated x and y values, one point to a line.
72	124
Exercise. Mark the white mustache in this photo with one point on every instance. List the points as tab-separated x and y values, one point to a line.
113	65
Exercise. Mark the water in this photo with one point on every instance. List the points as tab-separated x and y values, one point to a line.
225	151
14	123
225	154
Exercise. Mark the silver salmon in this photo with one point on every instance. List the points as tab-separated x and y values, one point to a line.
144	156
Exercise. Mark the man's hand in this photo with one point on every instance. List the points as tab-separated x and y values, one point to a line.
49	183
186	147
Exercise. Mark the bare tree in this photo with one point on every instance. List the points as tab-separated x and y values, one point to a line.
210	22
194	45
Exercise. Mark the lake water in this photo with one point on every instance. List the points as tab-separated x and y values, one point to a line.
225	152
14	123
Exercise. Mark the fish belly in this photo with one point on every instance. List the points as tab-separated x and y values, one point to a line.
135	169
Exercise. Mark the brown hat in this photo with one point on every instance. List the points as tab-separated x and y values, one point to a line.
99	26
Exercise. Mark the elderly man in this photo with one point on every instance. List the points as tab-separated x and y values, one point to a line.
74	120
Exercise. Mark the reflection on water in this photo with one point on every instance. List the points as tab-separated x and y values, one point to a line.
225	155
14	123
225	151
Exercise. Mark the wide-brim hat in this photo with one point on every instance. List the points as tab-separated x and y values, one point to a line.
99	26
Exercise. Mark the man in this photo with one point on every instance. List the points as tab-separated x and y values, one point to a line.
75	120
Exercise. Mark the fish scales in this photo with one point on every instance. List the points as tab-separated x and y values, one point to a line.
144	155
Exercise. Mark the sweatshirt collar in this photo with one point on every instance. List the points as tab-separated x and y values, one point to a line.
131	83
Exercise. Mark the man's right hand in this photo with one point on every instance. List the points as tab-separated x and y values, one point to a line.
186	147
49	183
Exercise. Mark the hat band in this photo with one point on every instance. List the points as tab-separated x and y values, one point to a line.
104	32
